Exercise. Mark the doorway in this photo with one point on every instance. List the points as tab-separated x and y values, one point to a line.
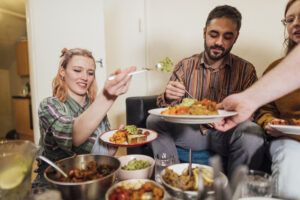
12	30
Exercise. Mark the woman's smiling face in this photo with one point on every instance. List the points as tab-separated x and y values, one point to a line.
293	18
78	75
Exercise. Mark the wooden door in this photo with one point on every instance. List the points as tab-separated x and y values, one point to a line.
22	58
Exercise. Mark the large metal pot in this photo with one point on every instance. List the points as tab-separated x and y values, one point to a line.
89	190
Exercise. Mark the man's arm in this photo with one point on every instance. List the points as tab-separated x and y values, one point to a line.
280	81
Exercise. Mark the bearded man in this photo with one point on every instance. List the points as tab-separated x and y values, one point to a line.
212	74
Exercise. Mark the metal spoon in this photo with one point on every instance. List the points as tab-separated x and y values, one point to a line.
157	66
53	165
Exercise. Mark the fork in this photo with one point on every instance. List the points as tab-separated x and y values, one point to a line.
177	78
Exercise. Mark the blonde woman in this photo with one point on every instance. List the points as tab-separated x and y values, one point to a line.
73	118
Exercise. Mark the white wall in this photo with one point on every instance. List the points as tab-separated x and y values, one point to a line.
175	29
125	46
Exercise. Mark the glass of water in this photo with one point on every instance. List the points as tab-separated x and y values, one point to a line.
257	184
162	160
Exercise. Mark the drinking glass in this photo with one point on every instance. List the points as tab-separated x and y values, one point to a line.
257	184
16	158
162	160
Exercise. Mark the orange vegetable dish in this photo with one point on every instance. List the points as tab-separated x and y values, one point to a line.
204	107
295	122
121	193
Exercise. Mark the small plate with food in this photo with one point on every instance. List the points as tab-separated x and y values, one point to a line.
289	126
287	129
130	136
191	111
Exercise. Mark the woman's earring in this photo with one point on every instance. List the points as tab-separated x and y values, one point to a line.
62	78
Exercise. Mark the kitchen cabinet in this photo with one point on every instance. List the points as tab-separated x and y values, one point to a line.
22	58
23	117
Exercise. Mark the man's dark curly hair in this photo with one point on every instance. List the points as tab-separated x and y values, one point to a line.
227	12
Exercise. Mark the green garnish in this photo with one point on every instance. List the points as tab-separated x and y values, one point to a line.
187	102
166	65
131	129
135	164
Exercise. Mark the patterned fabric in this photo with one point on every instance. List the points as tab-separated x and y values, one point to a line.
286	107
56	127
203	81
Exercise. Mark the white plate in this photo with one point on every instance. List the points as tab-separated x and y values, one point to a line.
106	135
192	119
288	129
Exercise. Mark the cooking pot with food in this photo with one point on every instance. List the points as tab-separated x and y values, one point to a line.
83	182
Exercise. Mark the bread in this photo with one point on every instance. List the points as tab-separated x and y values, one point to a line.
138	138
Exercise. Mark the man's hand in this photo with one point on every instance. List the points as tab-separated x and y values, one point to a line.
273	132
239	103
175	90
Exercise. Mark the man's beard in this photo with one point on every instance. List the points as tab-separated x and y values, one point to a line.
218	57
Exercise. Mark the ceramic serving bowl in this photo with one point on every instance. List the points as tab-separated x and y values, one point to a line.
184	194
135	174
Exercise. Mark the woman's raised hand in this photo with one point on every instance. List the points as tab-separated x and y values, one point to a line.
119	85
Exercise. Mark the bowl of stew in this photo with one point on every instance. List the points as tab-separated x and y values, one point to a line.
89	176
136	189
135	166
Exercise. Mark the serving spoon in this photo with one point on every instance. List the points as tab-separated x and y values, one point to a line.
144	69
53	165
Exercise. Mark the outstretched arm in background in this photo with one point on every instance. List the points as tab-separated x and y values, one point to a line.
278	82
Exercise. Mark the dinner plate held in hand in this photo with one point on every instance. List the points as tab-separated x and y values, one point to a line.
192	119
288	129
106	135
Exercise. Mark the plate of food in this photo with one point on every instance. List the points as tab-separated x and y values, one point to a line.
191	111
130	136
289	126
